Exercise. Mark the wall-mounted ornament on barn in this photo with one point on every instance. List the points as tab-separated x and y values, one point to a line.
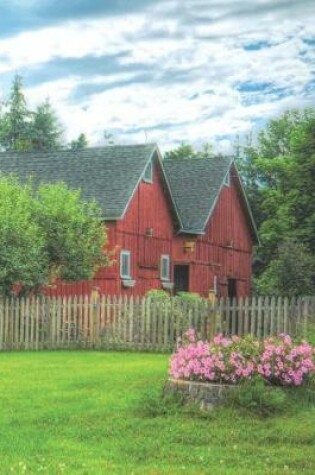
189	246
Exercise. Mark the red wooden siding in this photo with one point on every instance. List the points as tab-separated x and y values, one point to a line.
148	230
224	251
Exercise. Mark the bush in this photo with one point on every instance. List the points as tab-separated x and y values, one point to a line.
282	363
255	396
158	294
190	297
234	360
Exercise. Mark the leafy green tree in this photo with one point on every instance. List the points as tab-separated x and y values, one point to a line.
246	157
46	234
187	151
46	132
80	143
23	259
303	185
75	240
15	124
291	273
206	151
275	182
183	151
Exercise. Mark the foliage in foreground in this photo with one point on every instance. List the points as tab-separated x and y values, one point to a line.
277	360
46	234
78	412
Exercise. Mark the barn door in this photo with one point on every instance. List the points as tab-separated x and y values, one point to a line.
232	288
181	278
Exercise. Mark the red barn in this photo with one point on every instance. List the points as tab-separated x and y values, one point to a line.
179	225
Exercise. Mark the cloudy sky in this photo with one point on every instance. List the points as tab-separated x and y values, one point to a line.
164	71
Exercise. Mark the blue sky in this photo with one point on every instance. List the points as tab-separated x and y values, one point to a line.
166	71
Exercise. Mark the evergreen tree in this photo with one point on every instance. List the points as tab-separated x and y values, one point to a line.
24	130
46	131
16	121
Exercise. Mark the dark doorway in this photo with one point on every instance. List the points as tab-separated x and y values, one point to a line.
181	278
233	313
232	288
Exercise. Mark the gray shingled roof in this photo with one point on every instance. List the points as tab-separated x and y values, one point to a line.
107	174
195	185
111	174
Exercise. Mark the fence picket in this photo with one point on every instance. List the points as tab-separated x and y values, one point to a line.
285	323
27	323
240	330
37	324
253	317
279	316
246	316
97	320
125	321
1	324
16	329
305	314
273	314
260	317
32	316
166	342
142	323
292	312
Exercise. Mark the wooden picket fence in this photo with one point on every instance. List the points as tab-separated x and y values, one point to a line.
143	323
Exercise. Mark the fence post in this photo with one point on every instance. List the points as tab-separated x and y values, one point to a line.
253	317
95	314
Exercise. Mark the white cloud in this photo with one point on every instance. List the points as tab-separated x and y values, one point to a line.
70	40
197	66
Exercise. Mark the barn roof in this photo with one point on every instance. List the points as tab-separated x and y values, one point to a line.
195	186
111	174
107	174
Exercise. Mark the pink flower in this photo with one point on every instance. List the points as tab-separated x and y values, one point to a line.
276	359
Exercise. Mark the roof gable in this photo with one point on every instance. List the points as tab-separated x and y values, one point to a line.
195	185
107	174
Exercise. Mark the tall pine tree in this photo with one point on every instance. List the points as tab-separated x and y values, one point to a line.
15	125
24	130
46	132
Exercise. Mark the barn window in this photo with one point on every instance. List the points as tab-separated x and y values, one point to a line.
125	258
148	173
165	267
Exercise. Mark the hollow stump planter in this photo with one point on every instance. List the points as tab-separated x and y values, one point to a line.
206	395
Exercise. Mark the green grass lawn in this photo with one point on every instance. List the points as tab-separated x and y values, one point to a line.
80	413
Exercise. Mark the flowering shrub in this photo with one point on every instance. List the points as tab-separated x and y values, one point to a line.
283	363
232	360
